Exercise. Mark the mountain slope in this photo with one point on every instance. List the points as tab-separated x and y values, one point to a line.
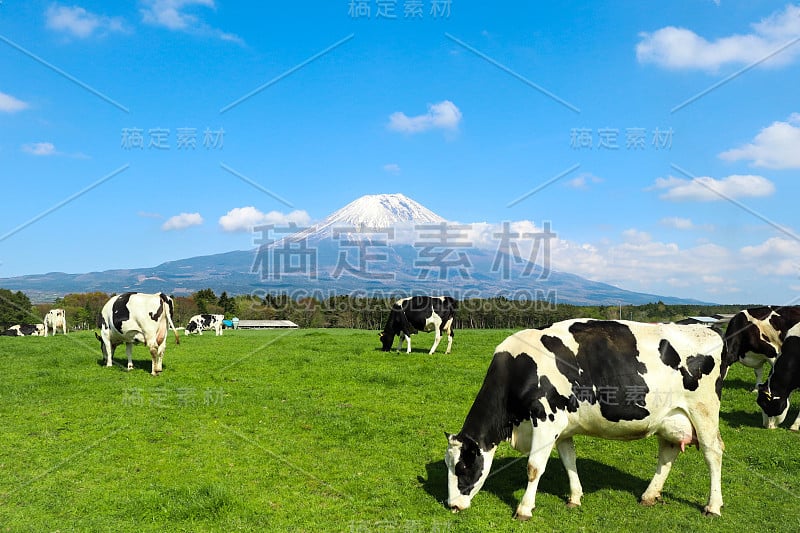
367	248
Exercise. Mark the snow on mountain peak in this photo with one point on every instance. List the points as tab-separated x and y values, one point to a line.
373	212
382	211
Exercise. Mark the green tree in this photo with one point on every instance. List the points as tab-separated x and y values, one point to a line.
203	298
16	308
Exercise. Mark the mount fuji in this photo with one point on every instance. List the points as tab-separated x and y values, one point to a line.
383	245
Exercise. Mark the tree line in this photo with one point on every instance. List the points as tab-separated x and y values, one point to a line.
83	310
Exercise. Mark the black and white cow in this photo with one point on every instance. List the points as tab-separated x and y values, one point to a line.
205	321
420	313
754	336
135	317
54	319
773	396
610	379
25	330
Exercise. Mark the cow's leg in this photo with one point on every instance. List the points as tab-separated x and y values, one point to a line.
157	355
449	341
544	437
566	450
796	425
759	372
667	452
436	341
408	343
710	443
129	353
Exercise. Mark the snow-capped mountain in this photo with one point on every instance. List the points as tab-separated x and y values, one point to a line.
369	213
377	246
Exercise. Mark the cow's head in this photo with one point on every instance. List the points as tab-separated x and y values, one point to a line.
752	330
467	469
774	407
387	339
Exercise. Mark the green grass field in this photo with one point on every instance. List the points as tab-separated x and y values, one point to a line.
318	430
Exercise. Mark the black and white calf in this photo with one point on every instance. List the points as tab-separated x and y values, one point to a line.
135	317
419	313
25	330
205	321
754	336
773	396
54	319
611	379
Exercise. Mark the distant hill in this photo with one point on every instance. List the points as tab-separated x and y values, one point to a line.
359	250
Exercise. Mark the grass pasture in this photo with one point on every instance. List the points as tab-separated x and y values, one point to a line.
318	430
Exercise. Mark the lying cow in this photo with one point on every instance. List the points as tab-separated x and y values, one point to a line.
135	317
25	330
419	313
54	319
773	396
754	336
611	379
200	322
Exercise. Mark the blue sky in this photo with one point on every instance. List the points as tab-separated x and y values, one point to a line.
661	142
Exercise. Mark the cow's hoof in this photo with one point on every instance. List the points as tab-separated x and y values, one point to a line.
522	517
649	502
572	505
708	511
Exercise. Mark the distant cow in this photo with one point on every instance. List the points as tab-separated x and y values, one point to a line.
419	313
205	321
137	318
773	396
611	379
25	330
754	336
54	319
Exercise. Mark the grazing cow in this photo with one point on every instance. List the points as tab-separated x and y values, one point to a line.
611	379
25	330
773	396
135	317
419	313
200	322
54	319
754	336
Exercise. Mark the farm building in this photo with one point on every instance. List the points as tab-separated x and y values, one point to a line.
266	324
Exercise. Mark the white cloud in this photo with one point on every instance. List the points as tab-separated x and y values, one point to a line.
244	218
778	256
174	15
677	223
182	221
583	181
705	189
681	48
443	115
80	23
392	168
9	104
776	146
40	149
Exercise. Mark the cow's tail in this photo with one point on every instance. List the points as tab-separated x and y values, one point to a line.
167	306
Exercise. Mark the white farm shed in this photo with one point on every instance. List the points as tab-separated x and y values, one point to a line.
266	324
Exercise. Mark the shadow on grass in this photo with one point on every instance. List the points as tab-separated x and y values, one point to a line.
138	364
736	383
595	476
741	419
